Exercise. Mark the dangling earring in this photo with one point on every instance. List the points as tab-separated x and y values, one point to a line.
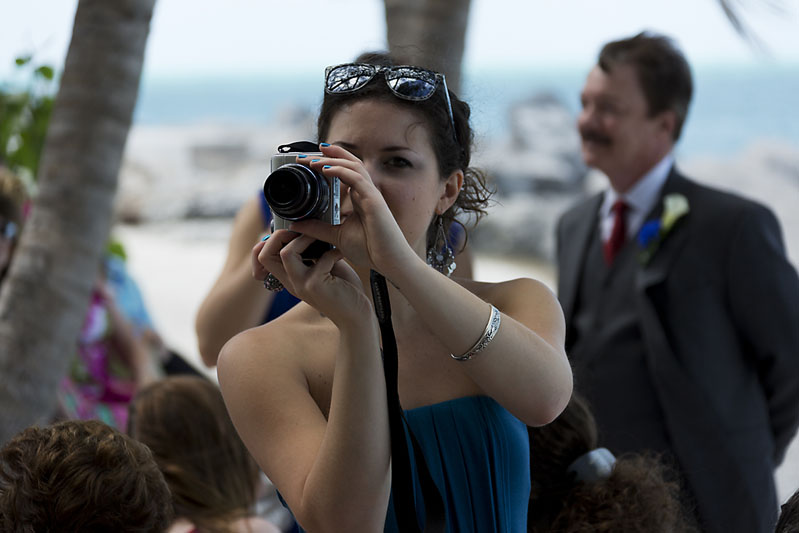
440	255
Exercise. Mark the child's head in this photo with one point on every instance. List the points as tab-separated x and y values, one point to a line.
577	486
184	421
81	475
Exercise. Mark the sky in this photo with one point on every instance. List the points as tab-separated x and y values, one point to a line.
210	38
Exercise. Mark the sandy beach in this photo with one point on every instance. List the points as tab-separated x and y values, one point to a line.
175	264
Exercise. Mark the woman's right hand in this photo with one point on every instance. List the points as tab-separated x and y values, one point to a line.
368	235
329	285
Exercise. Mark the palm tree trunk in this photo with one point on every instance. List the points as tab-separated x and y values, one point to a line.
45	296
432	33
429	33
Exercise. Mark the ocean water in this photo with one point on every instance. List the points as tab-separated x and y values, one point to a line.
732	106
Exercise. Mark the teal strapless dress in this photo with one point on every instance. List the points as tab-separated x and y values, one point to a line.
479	458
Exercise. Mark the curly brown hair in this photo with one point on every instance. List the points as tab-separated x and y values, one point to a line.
80	475
635	498
638	495
452	152
212	476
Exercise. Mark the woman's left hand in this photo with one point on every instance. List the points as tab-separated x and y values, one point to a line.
328	284
368	235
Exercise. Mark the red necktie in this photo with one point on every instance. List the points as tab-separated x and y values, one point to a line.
619	233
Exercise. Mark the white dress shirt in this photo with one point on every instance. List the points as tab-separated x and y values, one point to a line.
640	199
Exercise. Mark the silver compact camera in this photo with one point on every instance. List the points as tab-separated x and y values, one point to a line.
295	192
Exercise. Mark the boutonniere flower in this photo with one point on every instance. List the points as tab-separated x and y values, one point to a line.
652	233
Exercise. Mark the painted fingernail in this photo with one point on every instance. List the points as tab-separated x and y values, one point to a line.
314	160
265	238
326	166
324	144
301	156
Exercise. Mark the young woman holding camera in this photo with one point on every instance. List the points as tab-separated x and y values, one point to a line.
476	361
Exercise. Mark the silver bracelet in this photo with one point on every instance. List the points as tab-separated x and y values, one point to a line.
491	329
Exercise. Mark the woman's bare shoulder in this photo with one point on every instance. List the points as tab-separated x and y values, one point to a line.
510	291
272	351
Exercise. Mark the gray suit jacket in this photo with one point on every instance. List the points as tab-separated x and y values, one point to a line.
719	312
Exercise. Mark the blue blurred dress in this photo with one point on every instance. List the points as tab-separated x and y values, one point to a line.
479	458
283	300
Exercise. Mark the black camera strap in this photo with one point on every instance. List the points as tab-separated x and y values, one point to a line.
298	146
401	468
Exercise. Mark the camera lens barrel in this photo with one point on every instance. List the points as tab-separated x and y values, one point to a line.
295	192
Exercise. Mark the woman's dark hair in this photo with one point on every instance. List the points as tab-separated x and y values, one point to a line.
635	497
210	473
451	155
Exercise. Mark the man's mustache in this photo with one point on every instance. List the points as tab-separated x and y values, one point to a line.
594	136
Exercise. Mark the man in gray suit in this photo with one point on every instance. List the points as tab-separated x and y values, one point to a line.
682	309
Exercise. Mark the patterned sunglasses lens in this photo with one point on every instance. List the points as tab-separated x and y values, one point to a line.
406	82
411	84
412	88
348	78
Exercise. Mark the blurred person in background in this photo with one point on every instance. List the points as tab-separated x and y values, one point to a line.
13	198
236	301
578	486
81	475
110	362
130	301
211	475
113	356
681	306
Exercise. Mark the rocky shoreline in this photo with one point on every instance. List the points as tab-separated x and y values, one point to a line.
208	170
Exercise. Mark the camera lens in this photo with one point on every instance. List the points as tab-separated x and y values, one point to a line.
295	192
284	191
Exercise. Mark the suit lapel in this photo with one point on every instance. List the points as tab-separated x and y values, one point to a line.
575	241
659	265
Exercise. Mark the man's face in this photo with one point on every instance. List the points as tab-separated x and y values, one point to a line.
618	135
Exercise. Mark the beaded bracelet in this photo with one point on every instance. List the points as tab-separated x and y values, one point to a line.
491	329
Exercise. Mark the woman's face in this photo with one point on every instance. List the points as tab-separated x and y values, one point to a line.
394	144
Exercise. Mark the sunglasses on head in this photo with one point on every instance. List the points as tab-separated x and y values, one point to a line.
405	81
